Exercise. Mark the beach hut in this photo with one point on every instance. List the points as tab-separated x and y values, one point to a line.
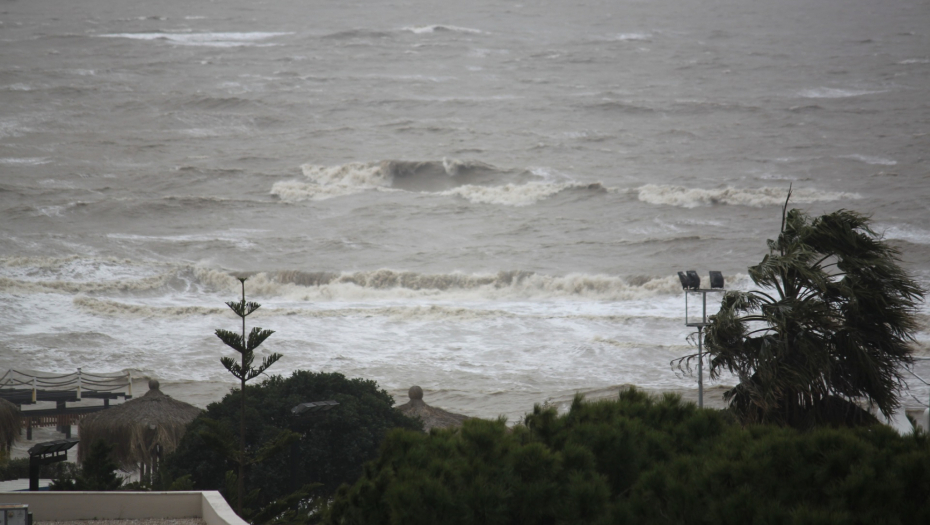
141	430
432	417
10	424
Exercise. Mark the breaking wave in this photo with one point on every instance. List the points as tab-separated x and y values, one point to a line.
517	195
202	39
121	309
391	284
758	197
471	180
441	27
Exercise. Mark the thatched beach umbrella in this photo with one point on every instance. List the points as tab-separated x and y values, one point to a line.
136	427
432	417
10	423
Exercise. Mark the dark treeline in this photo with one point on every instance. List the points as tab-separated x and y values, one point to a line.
641	460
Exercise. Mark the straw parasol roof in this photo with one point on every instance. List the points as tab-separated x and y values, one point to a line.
10	423
432	417
136	426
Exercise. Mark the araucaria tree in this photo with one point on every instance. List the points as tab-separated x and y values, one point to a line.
244	370
832	323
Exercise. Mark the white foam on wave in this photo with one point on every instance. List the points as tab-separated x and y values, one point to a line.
915	61
440	27
868	159
29	161
390	284
514	194
755	197
326	182
418	312
19	86
203	39
122	309
824	92
75	287
628	37
238	237
911	234
74	268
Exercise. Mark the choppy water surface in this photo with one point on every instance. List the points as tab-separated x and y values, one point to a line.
488	200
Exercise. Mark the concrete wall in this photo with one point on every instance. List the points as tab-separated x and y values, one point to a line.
57	506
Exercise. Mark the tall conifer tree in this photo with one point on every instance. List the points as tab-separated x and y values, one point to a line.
244	370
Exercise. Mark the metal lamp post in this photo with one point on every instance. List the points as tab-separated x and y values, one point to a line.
696	315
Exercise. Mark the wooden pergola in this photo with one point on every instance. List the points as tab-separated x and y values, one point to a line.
30	388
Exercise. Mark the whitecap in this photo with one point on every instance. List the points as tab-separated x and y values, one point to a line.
25	161
756	197
202	39
823	92
327	182
472	180
879	161
386	284
236	237
440	27
907	233
512	194
626	37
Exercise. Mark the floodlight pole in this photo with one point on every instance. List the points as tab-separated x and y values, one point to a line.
691	283
700	328
700	368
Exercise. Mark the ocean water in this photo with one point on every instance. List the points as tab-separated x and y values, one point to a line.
489	200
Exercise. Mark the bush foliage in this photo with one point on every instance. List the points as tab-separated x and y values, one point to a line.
331	449
98	471
640	460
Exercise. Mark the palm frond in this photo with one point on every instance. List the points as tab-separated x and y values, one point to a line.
837	323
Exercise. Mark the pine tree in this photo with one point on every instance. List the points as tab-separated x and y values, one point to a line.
244	370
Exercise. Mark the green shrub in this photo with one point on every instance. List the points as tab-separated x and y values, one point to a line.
641	460
19	469
97	472
331	449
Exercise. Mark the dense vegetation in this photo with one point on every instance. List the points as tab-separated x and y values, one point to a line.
97	471
831	323
640	460
19	469
331	446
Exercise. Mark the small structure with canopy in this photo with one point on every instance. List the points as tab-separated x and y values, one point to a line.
141	430
432	417
10	424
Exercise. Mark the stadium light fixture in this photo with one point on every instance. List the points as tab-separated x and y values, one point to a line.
696	313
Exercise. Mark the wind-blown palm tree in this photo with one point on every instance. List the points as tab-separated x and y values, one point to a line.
832	323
